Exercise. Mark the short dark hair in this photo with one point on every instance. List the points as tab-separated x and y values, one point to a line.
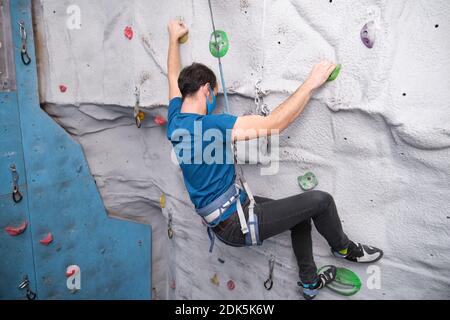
193	77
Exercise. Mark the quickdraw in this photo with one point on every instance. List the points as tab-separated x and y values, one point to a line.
25	285
268	284
23	51
16	195
139	116
169	226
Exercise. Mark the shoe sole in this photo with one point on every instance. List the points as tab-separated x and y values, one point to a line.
363	262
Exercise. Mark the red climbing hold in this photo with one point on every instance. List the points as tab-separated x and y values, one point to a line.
160	121
70	273
231	285
62	88
128	32
14	232
47	240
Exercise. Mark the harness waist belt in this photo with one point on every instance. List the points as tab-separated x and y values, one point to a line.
214	209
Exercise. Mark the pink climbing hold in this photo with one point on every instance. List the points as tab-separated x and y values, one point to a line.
231	285
173	285
47	240
62	88
14	232
128	32
160	121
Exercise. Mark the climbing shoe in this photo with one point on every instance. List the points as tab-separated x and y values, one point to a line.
325	277
359	253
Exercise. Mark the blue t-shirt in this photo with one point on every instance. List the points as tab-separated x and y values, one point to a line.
202	144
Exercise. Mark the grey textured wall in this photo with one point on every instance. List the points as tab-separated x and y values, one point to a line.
378	138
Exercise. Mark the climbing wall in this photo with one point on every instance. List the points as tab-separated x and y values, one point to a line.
55	232
377	138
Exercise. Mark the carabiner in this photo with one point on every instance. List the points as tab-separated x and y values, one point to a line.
268	284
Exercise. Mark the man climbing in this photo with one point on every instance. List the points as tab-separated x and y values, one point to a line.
227	209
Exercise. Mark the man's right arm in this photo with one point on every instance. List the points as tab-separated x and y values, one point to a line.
253	126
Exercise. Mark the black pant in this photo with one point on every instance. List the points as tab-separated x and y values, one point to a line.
294	213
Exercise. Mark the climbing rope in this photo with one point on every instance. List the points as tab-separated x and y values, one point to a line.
216	34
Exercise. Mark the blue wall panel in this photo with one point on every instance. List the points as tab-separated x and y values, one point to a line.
114	255
16	252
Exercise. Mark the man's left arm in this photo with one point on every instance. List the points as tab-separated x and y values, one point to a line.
177	29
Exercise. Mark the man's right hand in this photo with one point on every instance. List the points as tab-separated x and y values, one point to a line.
177	29
319	74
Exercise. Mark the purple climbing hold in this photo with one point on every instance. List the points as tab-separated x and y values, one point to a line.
368	34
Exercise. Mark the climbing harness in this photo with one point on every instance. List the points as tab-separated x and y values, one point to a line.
23	51
346	283
16	195
268	284
212	213
25	285
139	116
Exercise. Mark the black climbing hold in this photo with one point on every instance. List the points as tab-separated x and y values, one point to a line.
221	260
279	42
404	94
436	26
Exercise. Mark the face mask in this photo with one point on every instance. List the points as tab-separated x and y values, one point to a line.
210	105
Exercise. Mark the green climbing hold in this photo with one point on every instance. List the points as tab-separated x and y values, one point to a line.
219	44
308	181
347	283
335	73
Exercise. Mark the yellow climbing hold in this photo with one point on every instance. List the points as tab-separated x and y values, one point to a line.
215	279
184	38
162	201
141	116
